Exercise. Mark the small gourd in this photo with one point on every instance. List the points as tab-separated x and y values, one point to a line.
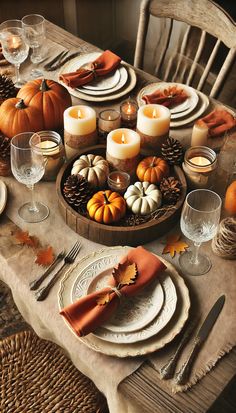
93	168
143	198
152	169
106	207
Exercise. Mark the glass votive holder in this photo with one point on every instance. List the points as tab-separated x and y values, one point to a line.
118	181
199	167
52	148
128	111
108	120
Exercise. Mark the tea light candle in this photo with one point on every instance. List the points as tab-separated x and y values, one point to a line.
108	120
199	134
118	181
53	151
153	125
199	167
128	110
79	129
123	148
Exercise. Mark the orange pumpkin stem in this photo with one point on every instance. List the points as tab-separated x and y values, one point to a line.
21	104
106	201
44	87
153	161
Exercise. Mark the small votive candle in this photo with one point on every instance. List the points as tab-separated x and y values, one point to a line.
118	181
153	125
123	148
199	134
199	167
79	129
108	120
52	149
128	111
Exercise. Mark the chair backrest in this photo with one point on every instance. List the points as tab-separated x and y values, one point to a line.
205	15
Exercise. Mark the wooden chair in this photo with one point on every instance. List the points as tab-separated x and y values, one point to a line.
203	16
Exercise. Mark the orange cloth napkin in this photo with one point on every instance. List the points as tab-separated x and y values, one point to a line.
218	122
169	97
103	65
85	315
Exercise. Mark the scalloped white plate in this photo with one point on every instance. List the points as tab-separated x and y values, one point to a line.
3	196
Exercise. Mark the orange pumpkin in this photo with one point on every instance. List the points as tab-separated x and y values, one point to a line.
50	98
106	207
230	199
152	169
17	117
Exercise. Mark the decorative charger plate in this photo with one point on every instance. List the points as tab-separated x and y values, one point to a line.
3	196
179	110
149	345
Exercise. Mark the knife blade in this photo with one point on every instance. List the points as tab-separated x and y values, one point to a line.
182	375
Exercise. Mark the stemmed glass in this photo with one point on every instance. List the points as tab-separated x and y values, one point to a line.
35	34
14	48
28	167
199	221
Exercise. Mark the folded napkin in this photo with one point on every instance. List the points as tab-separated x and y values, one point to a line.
218	122
85	315
103	65
169	97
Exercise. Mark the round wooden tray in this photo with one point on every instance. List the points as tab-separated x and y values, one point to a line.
114	234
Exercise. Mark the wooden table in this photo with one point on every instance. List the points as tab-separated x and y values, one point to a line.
157	397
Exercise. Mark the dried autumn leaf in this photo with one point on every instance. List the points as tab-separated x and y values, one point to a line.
24	238
45	256
103	299
125	274
174	245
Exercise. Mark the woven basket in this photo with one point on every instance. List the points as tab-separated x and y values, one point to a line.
36	377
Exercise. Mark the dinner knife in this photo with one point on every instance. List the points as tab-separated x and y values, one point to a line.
182	375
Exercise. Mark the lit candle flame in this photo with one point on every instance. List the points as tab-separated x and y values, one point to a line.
109	117
118	180
123	138
154	113
79	114
129	108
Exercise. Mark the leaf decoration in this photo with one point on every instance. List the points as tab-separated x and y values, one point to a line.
103	299
125	274
45	256
174	245
24	238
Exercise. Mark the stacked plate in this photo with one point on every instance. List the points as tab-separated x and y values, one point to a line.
105	88
143	323
186	112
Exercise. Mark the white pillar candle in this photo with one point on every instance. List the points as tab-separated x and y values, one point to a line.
79	129
199	134
123	148
153	120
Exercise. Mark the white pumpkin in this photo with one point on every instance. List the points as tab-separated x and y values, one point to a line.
143	198
94	168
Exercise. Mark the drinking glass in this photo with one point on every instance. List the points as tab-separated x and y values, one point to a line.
28	167
199	221
35	34
14	48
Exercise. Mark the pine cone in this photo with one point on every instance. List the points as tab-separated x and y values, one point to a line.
4	147
170	188
133	220
172	151
7	88
77	192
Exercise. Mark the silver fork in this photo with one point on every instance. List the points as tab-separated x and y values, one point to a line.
34	285
43	292
56	59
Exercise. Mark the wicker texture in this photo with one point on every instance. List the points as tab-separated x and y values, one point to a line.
37	377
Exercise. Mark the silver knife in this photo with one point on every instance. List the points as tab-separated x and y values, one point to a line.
182	375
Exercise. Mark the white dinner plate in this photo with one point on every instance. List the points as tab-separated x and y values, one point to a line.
122	81
202	105
179	110
3	196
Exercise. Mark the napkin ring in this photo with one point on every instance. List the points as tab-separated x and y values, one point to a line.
116	291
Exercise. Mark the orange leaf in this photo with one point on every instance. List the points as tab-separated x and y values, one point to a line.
24	238
103	299
45	256
174	245
125	274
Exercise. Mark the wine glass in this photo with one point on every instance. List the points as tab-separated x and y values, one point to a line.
28	167
14	48
199	221
35	34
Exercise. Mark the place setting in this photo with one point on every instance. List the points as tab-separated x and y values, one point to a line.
114	80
